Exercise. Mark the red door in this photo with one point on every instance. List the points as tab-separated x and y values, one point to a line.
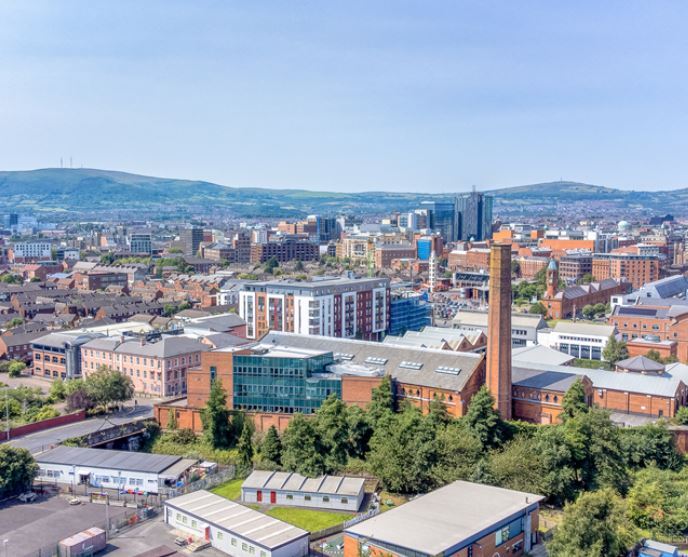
273	497
259	496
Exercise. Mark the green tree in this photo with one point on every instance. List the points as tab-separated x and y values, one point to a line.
558	477
17	470
58	391
458	453
537	308
483	420
382	401
333	429
359	431
575	401
654	355
171	419
270	265
302	448
271	447
593	526
649	444
437	413
597	455
681	417
588	311
658	502
215	417
15	368
245	449
600	309
587	278
615	350
108	386
403	451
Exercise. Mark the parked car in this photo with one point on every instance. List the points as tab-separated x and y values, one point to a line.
180	541
27	497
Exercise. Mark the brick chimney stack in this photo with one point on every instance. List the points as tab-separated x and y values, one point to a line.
499	329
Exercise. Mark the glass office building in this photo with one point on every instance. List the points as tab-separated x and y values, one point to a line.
408	312
283	380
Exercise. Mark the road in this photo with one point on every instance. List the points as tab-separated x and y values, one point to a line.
42	440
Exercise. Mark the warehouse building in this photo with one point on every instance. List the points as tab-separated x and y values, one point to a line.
233	528
461	519
122	470
285	488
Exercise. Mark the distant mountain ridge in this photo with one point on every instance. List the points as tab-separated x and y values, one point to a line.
87	191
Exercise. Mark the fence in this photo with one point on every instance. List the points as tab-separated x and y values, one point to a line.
207	482
320	534
47	424
116	527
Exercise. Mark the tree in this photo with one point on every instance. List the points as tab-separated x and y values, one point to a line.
360	431
58	390
77	396
558	478
681	417
271	447
593	526
437	413
615	350
382	401
302	448
298	266
654	355
588	311
107	386
483	420
649	444
270	265
538	308
245	449
333	429
458	453
15	368
171	419
658	502
597	455
587	278
403	451
575	401
17	470
215	417
600	309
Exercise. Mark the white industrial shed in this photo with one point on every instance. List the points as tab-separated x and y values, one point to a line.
123	470
286	488
233	528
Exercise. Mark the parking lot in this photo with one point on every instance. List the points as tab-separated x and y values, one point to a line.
30	527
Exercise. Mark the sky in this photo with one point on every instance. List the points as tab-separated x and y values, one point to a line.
423	96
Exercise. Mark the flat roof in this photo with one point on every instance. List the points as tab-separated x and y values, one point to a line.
445	518
288	481
539	353
104	458
251	525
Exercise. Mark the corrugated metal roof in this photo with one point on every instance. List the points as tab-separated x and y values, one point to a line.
103	458
253	526
291	481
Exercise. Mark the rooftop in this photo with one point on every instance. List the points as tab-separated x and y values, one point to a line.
327	485
245	522
583	328
446	518
103	458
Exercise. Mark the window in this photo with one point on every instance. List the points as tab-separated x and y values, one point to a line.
290	497
306	497
194	524
251	549
326	499
344	500
233	542
244	547
219	535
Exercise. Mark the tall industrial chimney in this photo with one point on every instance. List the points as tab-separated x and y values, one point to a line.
499	329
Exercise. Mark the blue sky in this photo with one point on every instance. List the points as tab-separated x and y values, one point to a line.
350	96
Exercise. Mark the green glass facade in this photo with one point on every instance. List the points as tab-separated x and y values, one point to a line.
283	384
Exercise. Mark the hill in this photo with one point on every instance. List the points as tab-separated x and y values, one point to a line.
91	192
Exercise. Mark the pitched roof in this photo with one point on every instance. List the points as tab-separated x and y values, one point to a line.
640	364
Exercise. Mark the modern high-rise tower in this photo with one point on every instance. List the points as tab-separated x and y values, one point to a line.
499	329
474	216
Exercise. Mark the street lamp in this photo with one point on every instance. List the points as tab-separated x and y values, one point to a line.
4	544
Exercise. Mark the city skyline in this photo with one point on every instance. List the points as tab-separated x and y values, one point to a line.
360	98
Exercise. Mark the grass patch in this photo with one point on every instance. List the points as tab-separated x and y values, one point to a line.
308	519
229	490
591	364
391	500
